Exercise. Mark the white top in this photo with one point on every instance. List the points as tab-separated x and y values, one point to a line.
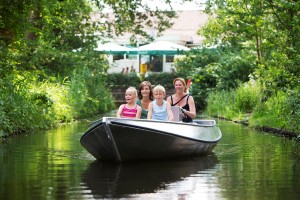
159	112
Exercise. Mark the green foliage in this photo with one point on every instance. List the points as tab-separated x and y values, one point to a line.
89	93
197	58
123	81
215	69
247	103
269	113
246	97
22	108
200	65
129	18
29	104
270	29
119	80
220	104
291	110
235	66
48	68
165	79
234	104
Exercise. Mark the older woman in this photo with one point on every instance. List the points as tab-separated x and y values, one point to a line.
182	99
145	95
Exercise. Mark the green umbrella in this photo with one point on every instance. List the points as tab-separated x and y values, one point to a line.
112	48
162	48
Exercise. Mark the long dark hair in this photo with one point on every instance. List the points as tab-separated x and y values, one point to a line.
142	85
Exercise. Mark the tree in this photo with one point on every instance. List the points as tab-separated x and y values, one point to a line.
47	61
41	33
134	17
268	27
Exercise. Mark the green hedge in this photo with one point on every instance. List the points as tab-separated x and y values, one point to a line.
119	80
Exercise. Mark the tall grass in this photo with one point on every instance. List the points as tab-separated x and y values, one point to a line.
22	108
27	103
233	104
268	113
280	110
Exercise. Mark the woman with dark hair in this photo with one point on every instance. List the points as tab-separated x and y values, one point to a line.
145	95
183	100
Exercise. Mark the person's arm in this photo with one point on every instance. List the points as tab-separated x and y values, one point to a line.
118	115
139	112
169	99
150	111
192	112
170	113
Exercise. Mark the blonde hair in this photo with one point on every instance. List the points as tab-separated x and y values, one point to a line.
131	90
159	88
181	80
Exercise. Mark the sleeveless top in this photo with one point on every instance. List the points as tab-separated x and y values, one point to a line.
144	111
186	106
129	112
159	112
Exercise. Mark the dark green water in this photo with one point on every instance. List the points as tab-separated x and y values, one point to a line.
246	164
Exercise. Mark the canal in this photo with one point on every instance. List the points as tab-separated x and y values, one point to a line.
246	164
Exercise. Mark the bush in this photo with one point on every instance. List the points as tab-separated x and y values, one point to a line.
220	104
269	113
219	68
89	93
165	79
26	103
246	97
123	81
233	104
291	110
22	107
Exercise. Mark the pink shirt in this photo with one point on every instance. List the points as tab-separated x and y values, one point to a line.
129	112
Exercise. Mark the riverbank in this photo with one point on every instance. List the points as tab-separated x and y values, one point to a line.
279	112
277	131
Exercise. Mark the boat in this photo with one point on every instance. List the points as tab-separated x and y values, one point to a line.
123	139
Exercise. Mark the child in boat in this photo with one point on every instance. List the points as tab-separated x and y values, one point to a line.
130	109
159	109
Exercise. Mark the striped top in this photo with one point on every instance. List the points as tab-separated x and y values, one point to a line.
159	112
129	112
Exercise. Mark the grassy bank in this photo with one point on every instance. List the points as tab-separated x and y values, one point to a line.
277	112
28	103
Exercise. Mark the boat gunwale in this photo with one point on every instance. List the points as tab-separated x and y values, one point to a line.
168	133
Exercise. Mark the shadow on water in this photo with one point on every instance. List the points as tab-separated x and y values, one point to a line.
120	179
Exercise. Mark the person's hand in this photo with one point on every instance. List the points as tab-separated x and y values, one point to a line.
183	112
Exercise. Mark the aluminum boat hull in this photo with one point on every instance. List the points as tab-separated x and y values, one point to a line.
121	139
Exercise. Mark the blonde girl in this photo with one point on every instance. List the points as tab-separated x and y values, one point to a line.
130	109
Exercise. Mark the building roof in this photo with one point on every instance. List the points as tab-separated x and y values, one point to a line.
183	31
186	26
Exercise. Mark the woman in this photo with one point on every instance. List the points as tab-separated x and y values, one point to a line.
145	95
182	99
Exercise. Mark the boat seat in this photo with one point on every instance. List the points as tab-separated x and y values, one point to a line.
177	113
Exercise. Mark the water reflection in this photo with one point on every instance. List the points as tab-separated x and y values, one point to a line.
115	180
53	165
